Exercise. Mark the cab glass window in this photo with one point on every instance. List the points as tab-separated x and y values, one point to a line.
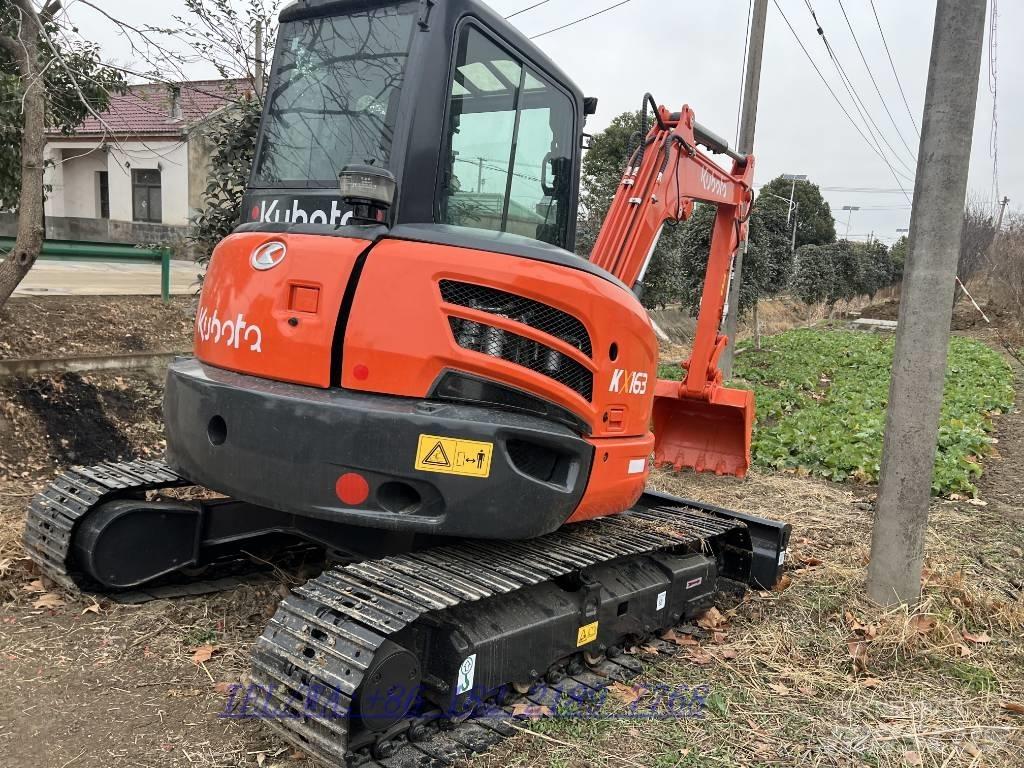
508	145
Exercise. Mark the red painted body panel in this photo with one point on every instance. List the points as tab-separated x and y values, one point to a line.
276	323
617	477
398	330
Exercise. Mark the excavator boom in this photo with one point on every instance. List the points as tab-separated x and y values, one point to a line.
698	423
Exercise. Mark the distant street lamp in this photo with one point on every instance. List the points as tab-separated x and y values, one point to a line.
792	212
851	209
794	178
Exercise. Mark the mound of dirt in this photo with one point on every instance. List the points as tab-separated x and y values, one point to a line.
60	326
49	422
965	315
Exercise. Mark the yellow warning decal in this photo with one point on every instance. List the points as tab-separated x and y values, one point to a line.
587	634
454	456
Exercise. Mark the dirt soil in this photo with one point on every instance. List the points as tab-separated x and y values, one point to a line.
808	675
61	326
965	316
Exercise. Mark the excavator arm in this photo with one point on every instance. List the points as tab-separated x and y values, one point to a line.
698	422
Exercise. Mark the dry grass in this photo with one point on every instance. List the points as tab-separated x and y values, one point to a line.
816	674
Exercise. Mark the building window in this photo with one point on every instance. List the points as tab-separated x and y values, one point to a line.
103	193
146	195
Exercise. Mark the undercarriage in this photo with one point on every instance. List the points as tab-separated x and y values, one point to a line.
396	653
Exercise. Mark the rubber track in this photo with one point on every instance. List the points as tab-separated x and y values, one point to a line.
326	632
53	512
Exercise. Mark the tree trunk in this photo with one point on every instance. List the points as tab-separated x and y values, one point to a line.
29	241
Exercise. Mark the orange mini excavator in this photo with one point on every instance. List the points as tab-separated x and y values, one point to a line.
399	359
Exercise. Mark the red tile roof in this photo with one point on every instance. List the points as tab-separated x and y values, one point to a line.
147	109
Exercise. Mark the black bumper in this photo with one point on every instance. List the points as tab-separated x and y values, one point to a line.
285	446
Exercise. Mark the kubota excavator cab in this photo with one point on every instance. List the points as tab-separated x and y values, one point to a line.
398	336
442	364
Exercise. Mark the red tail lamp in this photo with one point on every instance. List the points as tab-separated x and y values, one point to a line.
352	488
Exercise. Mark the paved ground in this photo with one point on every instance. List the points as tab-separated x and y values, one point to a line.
105	278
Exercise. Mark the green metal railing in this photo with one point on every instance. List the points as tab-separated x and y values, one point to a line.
81	250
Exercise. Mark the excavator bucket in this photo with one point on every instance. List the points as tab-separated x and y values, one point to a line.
706	435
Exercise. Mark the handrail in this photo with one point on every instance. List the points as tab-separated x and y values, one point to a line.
82	250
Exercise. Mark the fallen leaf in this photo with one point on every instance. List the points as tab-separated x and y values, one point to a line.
859	654
203	653
1012	706
981	637
870	682
627	694
48	600
297	754
261	758
679	638
972	749
700	656
780	689
224	688
729	653
94	608
34	586
912	758
922	624
712	619
963	650
649	650
810	562
806	690
782	583
719	637
531	711
977	502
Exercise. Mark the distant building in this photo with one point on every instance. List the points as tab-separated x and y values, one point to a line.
145	161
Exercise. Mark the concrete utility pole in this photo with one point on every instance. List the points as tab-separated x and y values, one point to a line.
1002	210
258	63
751	84
926	304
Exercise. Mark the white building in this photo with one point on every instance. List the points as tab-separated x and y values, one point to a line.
145	161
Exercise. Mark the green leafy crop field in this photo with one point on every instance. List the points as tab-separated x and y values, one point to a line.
821	398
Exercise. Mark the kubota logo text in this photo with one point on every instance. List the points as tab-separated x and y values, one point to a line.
628	382
712	183
267	211
230	332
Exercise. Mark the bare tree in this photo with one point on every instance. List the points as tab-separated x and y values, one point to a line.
24	47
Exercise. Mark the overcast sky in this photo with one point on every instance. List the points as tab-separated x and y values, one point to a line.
692	52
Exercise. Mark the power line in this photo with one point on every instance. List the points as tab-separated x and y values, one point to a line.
874	190
528	8
874	82
584	18
858	103
893	65
833	94
743	71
